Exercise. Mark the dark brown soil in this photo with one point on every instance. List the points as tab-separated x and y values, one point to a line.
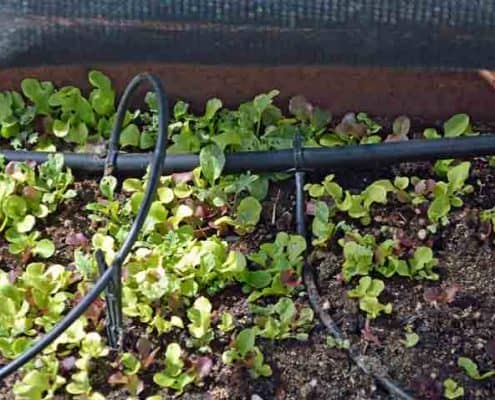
311	370
464	327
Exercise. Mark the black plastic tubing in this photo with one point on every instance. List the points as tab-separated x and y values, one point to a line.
156	163
356	156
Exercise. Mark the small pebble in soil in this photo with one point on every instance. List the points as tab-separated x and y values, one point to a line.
308	388
256	397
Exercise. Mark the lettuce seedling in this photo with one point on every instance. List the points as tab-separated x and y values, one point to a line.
16	122
29	244
315	117
362	255
130	367
14	117
40	383
337	343
227	322
367	292
106	244
322	227
174	376
54	182
447	194
107	186
358	260
102	97
14	318
471	369
488	216
351	130
422	263
412	338
255	185
452	390
133	306
71	337
179	214
130	364
357	206
76	114
27	193
283	320
80	386
458	125
91	347
194	132
39	93
161	324
245	351
212	161
400	129
386	262
248	214
45	287
200	316
281	266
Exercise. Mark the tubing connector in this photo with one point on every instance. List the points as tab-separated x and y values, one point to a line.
114	311
297	155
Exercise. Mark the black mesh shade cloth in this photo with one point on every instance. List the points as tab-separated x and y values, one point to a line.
451	34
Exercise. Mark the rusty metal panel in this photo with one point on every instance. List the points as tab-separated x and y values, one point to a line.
380	91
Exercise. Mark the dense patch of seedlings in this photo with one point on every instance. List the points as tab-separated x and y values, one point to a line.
185	256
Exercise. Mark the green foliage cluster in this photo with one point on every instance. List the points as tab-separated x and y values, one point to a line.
441	196
182	258
43	117
363	255
28	194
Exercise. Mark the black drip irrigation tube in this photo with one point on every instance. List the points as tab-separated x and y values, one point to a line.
298	160
313	159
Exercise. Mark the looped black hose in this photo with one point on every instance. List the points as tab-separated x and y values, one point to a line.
115	269
315	301
113	292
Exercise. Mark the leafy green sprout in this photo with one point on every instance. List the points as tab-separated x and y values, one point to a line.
411	338
280	267
283	320
452	390
227	322
337	343
200	317
245	351
448	194
367	292
174	375
471	369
